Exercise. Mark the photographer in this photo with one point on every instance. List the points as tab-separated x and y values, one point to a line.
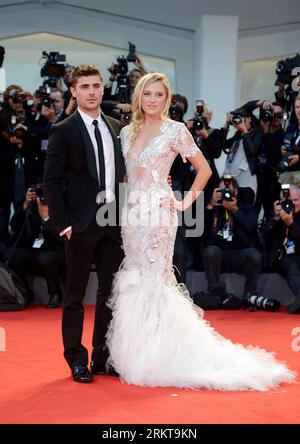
134	76
230	238
39	249
270	119
119	103
69	101
54	108
290	162
287	80
209	140
14	138
7	166
178	107
242	152
15	101
56	75
282	237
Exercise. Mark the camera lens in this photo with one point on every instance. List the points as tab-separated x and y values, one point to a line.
263	303
236	119
226	194
198	123
288	206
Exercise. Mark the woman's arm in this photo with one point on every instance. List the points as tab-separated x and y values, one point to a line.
203	174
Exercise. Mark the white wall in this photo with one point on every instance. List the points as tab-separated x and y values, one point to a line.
158	42
23	58
264	49
152	40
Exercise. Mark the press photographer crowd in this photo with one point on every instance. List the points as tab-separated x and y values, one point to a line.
252	210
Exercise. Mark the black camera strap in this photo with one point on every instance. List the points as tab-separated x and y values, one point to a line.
234	149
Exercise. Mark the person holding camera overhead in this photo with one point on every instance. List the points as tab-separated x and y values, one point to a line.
242	152
282	237
230	239
118	105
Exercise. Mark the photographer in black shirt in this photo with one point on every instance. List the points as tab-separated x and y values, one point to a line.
242	152
270	119
282	237
290	162
38	249
230	237
209	140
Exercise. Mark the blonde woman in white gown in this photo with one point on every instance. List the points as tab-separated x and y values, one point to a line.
157	337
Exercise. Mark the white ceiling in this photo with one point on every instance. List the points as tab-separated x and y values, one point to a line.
255	16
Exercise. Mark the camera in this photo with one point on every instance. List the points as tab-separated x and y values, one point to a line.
286	204
199	103
284	69
200	123
287	71
52	70
20	97
261	302
44	94
175	112
284	162
226	192
16	130
236	118
131	57
120	70
126	118
266	115
38	189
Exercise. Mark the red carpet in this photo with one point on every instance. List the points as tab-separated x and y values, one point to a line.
36	386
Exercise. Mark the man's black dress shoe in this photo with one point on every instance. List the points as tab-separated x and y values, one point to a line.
97	369
54	301
81	373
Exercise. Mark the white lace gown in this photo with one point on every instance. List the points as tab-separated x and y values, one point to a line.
157	336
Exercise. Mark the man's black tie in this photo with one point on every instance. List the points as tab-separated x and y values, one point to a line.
100	156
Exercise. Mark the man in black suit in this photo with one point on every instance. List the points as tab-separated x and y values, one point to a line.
84	163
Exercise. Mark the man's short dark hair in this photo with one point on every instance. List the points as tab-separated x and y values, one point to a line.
85	71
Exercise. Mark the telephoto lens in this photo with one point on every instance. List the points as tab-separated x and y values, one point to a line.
262	303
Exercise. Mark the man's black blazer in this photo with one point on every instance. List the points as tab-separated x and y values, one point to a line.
70	177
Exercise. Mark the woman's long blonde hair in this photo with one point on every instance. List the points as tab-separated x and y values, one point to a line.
137	111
